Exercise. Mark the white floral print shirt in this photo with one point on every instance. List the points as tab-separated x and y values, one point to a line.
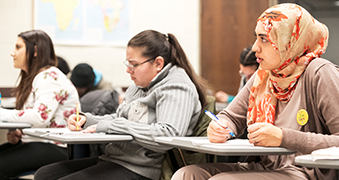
52	100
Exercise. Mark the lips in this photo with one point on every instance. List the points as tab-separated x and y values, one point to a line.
259	60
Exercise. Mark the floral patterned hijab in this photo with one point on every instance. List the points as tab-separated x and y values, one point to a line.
299	38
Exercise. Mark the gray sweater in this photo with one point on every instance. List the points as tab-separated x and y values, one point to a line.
170	106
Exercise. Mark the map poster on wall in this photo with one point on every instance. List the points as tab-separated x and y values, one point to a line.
83	22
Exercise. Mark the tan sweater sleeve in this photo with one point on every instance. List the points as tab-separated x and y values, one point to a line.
235	112
321	95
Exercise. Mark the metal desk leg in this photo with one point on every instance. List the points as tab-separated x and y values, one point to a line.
70	148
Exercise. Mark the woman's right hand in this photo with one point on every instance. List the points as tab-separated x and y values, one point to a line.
72	123
14	137
217	134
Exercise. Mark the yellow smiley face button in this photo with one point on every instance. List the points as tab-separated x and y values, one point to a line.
302	117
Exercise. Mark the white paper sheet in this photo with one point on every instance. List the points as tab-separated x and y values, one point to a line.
327	153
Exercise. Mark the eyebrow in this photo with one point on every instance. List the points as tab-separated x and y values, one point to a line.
261	35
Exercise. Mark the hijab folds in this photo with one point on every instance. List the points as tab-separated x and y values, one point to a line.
299	38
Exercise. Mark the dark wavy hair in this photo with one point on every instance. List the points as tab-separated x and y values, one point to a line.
39	42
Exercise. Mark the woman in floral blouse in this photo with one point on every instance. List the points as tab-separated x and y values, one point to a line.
44	98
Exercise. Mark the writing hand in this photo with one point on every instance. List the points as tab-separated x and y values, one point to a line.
72	122
217	134
264	134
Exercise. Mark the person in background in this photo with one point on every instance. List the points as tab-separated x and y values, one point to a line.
163	79
96	95
63	65
86	79
248	66
45	98
287	103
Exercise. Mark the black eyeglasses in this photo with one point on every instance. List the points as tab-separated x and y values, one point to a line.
132	67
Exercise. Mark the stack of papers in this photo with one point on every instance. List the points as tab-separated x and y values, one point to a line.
328	153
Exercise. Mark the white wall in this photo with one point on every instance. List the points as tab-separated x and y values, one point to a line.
15	17
167	16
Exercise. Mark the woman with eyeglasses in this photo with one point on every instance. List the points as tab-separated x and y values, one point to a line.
165	100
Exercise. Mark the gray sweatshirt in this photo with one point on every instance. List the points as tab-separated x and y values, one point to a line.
170	106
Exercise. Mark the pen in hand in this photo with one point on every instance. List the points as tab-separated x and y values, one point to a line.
216	119
77	113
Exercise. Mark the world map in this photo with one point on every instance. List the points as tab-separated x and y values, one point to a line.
83	22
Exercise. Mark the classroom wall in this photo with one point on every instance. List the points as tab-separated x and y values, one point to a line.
331	20
167	16
181	18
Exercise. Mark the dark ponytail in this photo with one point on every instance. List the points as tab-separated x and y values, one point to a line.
179	58
158	44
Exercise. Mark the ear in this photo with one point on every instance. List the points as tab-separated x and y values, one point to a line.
159	63
35	51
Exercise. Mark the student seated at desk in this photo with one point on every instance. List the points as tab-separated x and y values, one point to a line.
86	79
287	103
165	100
45	97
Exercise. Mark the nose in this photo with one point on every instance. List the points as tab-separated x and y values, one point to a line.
12	54
128	70
255	46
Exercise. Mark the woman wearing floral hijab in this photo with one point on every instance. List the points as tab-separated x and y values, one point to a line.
291	82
